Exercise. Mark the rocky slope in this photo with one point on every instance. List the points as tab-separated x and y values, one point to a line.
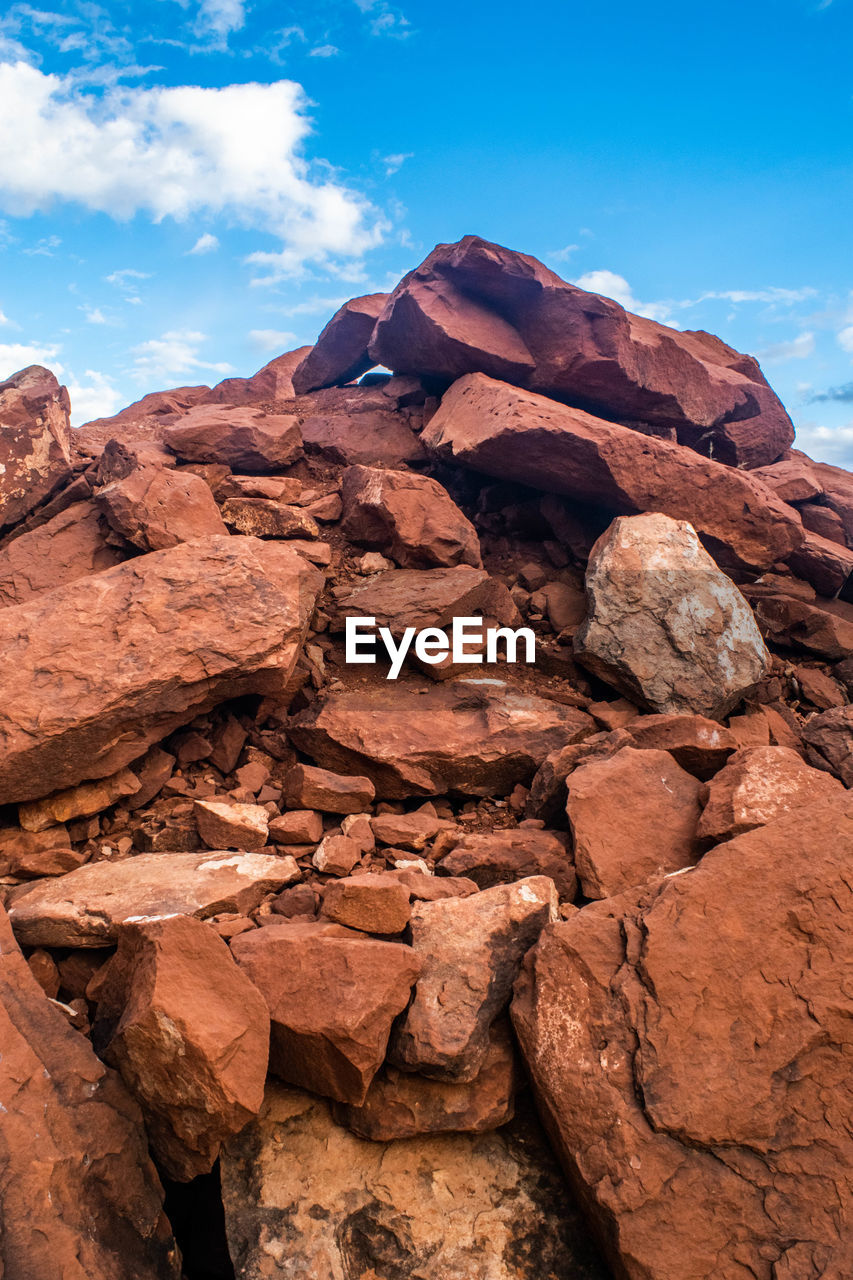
291	950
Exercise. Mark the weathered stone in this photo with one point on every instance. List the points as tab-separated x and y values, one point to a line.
758	785
81	1198
419	598
225	825
298	826
829	738
69	546
279	488
359	424
86	907
792	479
340	353
145	647
189	1034
337	855
409	517
245	439
518	436
824	626
156	507
690	1050
471	949
142	421
819	688
502	857
332	998
665	625
18	847
35	441
402	1105
699	745
825	564
823	521
425	887
370	903
273	382
153	771
77	802
477	737
632	816
408	830
307	787
266	518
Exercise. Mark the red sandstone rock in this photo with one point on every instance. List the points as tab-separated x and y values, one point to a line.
307	787
825	564
337	855
265	518
189	1034
699	745
78	802
156	507
142	421
823	521
299	826
819	626
758	785
332	1000
792	479
70	546
370	903
225	825
409	516
340	354
503	857
146	646
245	439
419	598
829	738
516	435
689	1048
632	816
29	855
411	831
360	424
273	382
35	441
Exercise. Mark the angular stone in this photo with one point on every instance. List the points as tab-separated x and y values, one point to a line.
273	382
699	745
515	435
758	785
825	564
819	688
370	903
298	826
86	907
81	1198
190	1036
156	507
829	738
478	307
665	625
223	825
340	353
146	647
72	545
632	816
503	857
77	802
411	831
471	950
143	420
823	521
407	516
792	479
35	441
245	439
419	598
332	1000
30	855
402	1105
425	887
279	488
336	855
265	518
153	772
359	424
477	737
307	787
690	1048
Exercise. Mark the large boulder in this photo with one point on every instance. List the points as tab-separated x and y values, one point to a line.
515	435
242	438
35	441
409	517
156	507
144	420
476	307
400	598
81	1198
272	383
340	354
71	545
475	737
758	785
361	424
97	670
690	1048
665	625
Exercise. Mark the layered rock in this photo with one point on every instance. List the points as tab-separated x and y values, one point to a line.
70	546
244	439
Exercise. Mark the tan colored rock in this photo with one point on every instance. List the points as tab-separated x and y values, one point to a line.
35	441
665	625
411	831
515	435
337	855
225	825
758	785
340	353
266	518
77	802
407	516
332	997
190	1036
369	903
69	546
471	950
86	907
307	787
477	737
632	816
699	745
81	1198
146	647
157	507
503	857
244	438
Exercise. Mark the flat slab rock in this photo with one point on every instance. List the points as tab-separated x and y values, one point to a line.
35	441
86	907
303	1197
70	546
477	737
145	647
690	1046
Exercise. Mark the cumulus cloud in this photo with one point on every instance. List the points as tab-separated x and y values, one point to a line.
826	444
93	397
173	355
17	355
617	287
205	244
270	339
233	151
94	315
799	348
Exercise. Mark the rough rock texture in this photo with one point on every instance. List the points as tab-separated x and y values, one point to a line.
340	354
146	646
471	950
273	382
156	507
758	785
699	745
265	518
326	1204
469	736
35	441
830	741
410	517
224	825
372	903
360	424
307	787
502	857
244	439
400	598
81	1198
478	307
332	997
70	546
516	435
78	802
189	1034
665	626
691	1060
632	816
86	907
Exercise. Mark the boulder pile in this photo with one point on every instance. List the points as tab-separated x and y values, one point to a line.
443	733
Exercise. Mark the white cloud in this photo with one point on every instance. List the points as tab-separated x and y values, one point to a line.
234	151
4	319
384	19
845	338
563	255
205	244
396	162
17	355
324	51
617	287
121	279
772	295
95	397
799	348
220	17
270	339
826	444
171	356
94	315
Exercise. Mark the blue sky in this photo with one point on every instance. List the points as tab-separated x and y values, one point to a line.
190	187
